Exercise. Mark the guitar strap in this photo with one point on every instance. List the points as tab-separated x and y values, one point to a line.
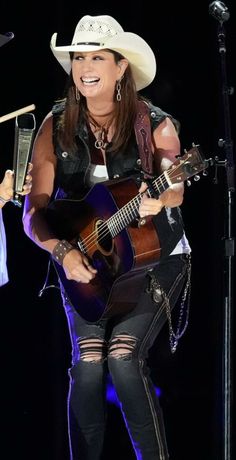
143	134
169	232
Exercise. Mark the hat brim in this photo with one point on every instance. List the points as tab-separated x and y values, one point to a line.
139	54
6	38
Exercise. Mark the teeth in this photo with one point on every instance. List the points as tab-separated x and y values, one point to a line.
88	81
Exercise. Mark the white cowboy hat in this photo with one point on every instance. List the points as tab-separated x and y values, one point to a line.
94	33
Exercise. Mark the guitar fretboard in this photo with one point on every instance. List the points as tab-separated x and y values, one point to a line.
122	218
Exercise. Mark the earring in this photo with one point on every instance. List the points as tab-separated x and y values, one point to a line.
118	89
77	95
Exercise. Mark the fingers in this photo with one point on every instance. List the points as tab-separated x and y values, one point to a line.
143	187
30	167
77	267
84	272
28	181
149	206
8	178
80	275
89	266
6	186
26	188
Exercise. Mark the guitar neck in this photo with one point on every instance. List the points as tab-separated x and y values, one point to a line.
185	166
128	213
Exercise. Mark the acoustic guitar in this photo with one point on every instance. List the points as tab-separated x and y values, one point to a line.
105	225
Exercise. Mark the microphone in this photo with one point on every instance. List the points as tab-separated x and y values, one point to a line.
219	11
24	132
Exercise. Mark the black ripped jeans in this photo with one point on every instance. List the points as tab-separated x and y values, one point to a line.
120	346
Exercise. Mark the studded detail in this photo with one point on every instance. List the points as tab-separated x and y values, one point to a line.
61	249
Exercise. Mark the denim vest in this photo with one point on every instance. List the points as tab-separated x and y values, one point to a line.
70	181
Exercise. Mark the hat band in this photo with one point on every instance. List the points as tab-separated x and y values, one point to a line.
89	43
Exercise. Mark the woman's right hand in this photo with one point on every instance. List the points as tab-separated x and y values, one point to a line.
77	267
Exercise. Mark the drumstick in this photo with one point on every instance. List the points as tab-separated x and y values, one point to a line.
17	112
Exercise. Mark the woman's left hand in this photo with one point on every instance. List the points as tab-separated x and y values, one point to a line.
148	206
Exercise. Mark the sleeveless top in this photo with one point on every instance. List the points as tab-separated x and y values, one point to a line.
77	172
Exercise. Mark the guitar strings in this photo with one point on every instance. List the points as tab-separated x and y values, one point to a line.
89	244
90	241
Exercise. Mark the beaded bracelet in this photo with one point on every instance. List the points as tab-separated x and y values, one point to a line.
3	200
61	249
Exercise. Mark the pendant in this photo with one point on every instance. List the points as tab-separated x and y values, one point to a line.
100	143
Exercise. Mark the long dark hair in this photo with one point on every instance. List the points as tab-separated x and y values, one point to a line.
124	114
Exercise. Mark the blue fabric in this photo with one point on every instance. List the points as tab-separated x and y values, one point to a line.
3	253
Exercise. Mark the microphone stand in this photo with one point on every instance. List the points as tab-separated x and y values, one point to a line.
228	247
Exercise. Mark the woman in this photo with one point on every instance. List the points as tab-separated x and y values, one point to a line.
6	194
90	136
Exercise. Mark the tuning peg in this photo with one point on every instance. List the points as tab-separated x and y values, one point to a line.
196	177
188	183
205	173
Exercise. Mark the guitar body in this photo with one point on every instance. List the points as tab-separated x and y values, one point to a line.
121	261
104	226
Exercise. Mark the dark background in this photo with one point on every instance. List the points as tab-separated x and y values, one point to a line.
34	338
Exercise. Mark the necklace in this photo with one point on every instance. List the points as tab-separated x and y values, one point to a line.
100	132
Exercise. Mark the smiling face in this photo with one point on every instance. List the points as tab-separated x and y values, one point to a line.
95	74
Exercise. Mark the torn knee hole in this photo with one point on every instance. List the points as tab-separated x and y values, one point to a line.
122	346
92	349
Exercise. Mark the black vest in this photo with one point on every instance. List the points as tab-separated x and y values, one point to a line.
71	172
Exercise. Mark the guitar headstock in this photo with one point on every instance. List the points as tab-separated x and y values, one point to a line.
187	165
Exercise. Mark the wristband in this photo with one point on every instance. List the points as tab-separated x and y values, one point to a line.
61	249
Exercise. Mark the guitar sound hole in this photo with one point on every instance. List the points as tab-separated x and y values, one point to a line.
104	239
